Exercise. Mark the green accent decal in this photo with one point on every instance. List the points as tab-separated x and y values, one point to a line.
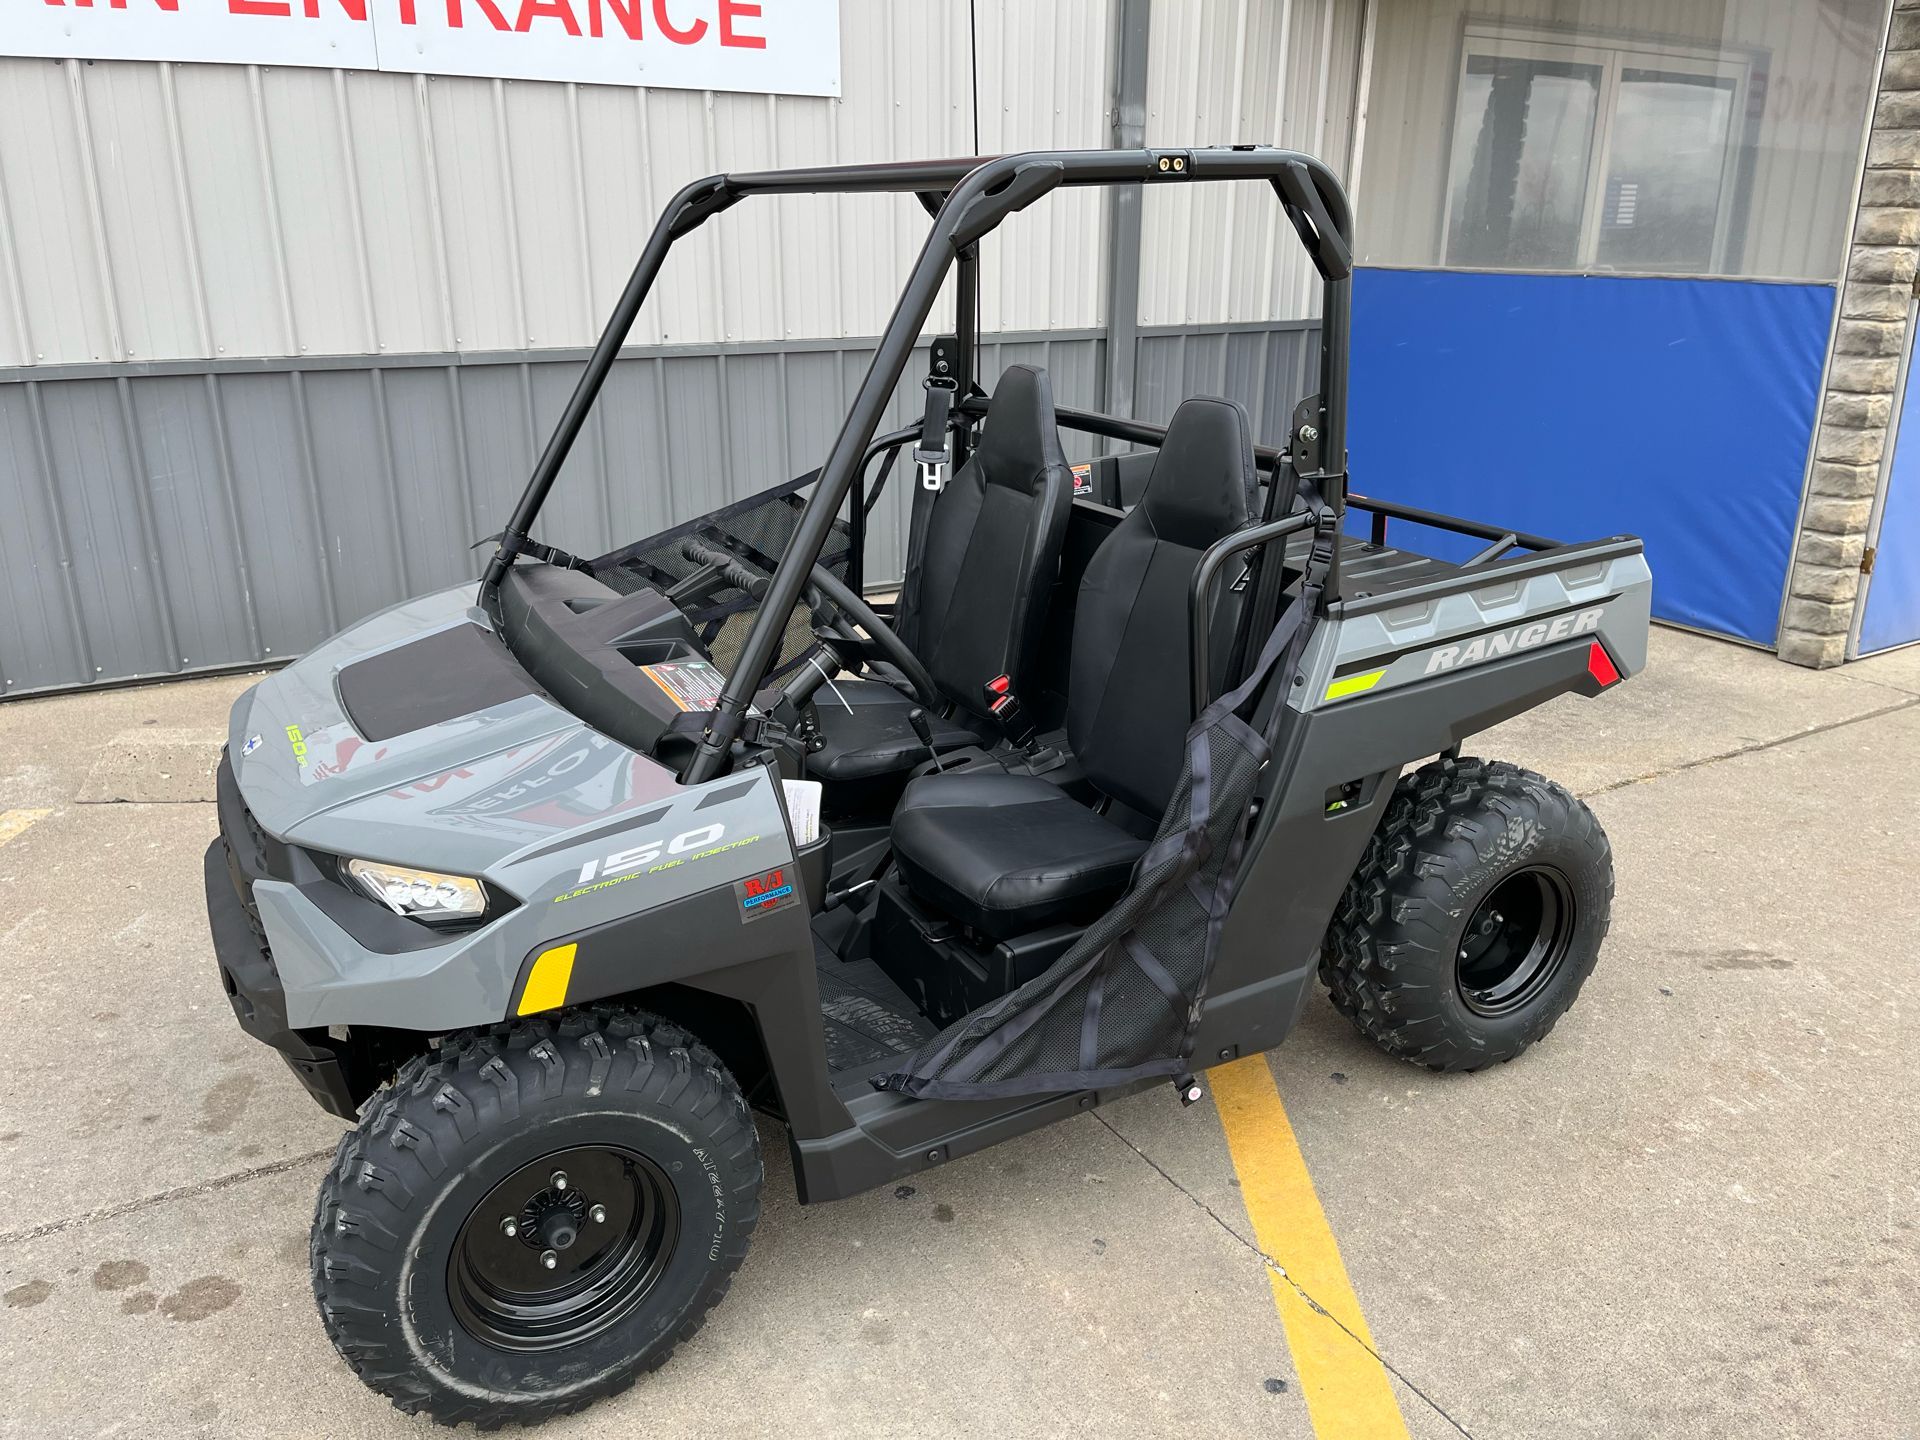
1354	684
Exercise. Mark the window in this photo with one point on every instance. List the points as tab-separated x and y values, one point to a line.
1585	154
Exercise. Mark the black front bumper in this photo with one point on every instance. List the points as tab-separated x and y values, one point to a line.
243	854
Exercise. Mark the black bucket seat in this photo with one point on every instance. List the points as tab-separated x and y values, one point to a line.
988	560
1006	854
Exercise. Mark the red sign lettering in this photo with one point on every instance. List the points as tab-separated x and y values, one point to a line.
791	47
456	19
740	9
625	15
560	10
689	36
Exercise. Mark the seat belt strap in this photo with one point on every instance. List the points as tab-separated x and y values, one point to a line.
932	453
932	456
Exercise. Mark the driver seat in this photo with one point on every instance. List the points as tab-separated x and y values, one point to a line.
987	563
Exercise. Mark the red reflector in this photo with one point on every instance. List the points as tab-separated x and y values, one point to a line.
1600	665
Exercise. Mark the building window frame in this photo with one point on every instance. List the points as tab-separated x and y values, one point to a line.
1612	55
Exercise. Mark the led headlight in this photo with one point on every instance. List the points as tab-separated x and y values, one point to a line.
420	894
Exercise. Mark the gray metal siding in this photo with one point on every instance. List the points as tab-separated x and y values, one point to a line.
1267	368
158	210
172	519
179	519
276	345
1220	72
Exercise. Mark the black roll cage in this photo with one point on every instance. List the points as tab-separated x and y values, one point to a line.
968	199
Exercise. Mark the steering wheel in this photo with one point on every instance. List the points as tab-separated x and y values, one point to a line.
919	685
849	609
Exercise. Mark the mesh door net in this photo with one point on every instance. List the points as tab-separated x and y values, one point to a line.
755	532
1122	1003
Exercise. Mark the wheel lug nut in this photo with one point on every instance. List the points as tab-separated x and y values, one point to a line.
598	1214
558	1180
509	1227
549	1259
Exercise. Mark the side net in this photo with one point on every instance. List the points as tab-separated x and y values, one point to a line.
754	533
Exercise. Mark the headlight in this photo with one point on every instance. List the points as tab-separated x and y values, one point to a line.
420	894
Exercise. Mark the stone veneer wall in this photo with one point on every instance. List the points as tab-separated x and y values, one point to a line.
1857	406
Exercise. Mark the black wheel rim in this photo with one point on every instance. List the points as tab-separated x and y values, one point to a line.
1515	941
563	1249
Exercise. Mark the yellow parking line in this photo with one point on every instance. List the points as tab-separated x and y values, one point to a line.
15	822
1348	1394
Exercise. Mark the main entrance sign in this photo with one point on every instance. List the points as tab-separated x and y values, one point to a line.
787	47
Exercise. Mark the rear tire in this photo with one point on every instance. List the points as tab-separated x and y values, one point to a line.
1474	917
524	1221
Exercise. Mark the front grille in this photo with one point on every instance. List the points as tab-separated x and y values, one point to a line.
252	854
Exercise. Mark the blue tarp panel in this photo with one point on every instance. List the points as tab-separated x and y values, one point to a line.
1581	406
1892	616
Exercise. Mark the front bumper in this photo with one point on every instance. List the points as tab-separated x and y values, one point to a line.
241	855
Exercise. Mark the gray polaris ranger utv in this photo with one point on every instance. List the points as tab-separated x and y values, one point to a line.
549	886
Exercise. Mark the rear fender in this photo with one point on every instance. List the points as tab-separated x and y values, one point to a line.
1339	764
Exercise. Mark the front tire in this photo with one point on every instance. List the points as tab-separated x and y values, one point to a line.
524	1221
1474	917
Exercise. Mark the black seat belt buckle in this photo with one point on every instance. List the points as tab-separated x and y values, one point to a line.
1005	708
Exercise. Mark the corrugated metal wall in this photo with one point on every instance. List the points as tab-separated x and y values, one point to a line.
283	342
1221	72
155	211
181	520
1266	367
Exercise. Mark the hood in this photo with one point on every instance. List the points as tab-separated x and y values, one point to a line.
458	792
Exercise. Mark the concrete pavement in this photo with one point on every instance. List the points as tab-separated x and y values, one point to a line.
1692	1211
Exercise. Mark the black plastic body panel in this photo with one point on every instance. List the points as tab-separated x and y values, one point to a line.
436	678
947	972
1301	854
1118	480
253	987
585	643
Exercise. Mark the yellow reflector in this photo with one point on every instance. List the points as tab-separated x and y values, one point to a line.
1353	685
547	982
